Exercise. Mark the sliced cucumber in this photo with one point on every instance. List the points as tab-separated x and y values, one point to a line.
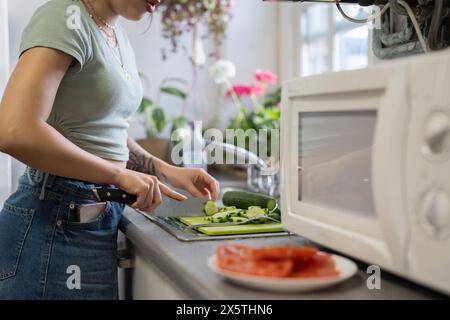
210	208
244	200
238	219
220	217
254	212
235	213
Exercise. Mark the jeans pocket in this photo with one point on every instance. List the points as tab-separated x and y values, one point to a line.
15	222
95	224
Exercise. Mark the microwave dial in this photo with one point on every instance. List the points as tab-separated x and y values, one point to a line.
434	214
437	136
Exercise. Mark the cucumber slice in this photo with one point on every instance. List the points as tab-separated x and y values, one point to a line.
238	219
235	214
255	211
210	208
224	209
244	200
220	217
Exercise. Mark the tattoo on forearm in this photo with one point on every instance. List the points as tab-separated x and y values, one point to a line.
142	162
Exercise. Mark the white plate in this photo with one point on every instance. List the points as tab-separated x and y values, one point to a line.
346	267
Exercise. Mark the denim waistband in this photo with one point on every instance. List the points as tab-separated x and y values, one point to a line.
44	180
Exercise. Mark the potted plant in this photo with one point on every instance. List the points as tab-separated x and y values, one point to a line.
156	122
263	95
181	17
258	107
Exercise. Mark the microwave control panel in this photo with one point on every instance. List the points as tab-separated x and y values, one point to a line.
427	172
434	213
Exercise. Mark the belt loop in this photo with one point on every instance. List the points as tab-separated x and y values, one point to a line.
42	195
50	179
35	177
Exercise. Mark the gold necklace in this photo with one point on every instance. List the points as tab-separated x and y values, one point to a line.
101	19
111	40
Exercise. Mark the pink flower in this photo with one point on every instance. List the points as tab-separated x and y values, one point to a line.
257	89
266	76
246	90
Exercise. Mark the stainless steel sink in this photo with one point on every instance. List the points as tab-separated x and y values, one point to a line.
176	228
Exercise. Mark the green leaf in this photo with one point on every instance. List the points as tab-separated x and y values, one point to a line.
272	99
174	92
179	123
145	104
159	119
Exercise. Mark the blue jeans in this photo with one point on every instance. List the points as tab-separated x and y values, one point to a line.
45	253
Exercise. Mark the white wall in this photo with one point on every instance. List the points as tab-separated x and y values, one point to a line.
251	44
5	161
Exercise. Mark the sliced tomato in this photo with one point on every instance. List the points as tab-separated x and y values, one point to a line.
321	265
279	261
270	268
285	252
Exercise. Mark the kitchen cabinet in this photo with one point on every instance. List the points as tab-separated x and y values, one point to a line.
149	283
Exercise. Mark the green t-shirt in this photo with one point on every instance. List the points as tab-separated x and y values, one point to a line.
96	96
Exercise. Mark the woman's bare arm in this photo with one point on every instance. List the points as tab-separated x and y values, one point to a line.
196	181
24	133
143	161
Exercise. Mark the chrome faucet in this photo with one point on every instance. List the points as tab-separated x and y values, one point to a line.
260	177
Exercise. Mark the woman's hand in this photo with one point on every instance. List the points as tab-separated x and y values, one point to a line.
195	181
148	189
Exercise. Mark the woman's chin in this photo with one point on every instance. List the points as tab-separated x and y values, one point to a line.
136	16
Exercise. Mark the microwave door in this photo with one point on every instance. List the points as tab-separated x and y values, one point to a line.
334	160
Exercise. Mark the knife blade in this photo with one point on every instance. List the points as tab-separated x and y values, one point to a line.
192	207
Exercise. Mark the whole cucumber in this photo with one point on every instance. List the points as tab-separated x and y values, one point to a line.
244	200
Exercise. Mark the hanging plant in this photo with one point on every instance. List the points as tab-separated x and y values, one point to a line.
181	17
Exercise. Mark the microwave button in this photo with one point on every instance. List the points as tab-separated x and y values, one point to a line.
437	136
435	213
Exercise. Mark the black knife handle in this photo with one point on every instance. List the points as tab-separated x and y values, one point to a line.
115	195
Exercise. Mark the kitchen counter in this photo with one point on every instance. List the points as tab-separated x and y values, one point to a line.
183	266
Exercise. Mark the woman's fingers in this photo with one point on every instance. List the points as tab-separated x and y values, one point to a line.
171	193
213	187
141	198
195	192
148	198
157	198
205	181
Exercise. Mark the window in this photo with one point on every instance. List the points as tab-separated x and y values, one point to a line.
329	42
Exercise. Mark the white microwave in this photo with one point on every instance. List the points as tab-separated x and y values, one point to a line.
365	165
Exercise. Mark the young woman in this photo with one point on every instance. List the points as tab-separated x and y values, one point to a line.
64	115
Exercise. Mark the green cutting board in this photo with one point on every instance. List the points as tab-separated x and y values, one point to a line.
230	230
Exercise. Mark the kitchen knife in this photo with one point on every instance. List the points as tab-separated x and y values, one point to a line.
116	195
192	207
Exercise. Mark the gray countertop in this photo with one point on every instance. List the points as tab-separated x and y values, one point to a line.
184	263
